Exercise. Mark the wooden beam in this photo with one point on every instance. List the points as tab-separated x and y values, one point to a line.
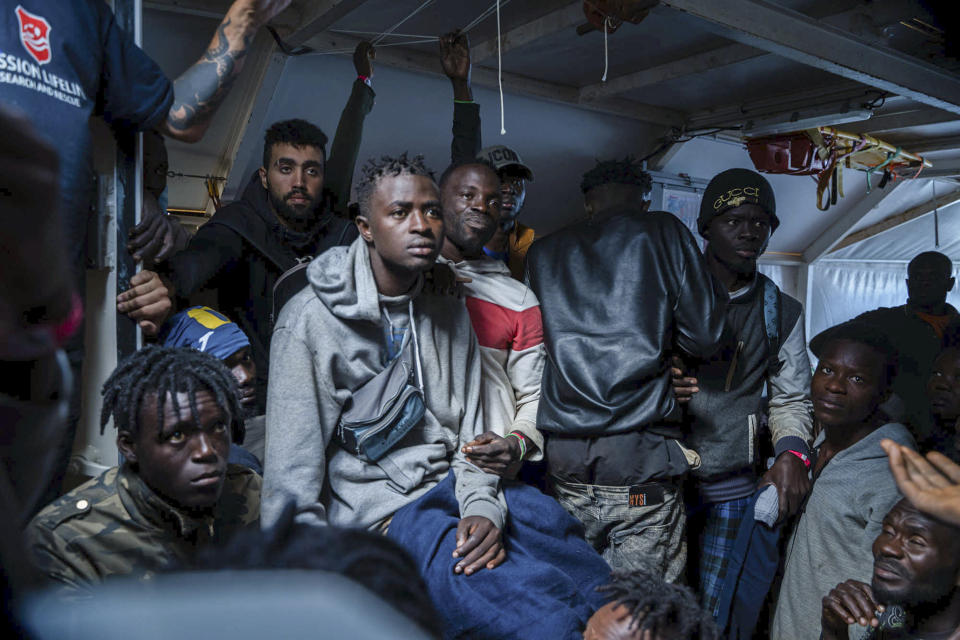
419	62
842	226
892	222
318	16
547	24
793	35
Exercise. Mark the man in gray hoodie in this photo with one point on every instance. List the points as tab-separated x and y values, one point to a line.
363	310
337	334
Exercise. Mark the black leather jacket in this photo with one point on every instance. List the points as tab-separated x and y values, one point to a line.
618	296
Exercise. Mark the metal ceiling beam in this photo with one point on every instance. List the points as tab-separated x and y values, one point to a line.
736	114
793	35
216	9
900	120
547	24
318	16
688	66
842	225
895	221
419	62
943	170
926	145
260	64
880	12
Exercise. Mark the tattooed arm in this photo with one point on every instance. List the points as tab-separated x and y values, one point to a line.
201	88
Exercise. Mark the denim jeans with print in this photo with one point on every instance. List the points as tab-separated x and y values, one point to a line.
649	538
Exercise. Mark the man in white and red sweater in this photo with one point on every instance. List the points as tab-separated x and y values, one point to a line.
506	318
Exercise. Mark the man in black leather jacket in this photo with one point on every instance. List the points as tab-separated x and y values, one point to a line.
620	293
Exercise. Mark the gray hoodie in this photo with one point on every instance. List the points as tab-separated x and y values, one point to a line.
328	342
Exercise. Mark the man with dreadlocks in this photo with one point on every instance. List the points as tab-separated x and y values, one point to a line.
620	292
176	412
366	313
644	607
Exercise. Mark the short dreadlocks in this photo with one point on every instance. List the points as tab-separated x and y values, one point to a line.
375	170
167	370
660	606
626	171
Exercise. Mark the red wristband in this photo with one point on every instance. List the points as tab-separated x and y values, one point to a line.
804	458
364	79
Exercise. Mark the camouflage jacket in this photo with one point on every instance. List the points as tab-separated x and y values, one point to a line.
116	525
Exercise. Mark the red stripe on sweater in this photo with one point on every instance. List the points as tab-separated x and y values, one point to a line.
501	328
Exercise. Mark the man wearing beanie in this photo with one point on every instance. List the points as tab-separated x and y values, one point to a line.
763	344
620	292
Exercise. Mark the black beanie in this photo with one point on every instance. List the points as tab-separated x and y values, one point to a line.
733	188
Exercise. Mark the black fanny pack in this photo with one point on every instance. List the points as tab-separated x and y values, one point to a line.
382	411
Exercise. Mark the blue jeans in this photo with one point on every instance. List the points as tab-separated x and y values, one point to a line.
630	538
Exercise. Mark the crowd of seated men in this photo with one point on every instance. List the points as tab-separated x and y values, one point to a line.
600	433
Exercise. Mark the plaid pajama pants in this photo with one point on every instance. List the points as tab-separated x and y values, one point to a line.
722	524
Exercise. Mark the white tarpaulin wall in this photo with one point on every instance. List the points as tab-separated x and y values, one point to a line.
871	273
842	290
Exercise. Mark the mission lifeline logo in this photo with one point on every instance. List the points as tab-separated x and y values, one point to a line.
35	35
19	71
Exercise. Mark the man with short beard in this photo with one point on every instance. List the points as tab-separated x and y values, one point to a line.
506	318
913	592
245	248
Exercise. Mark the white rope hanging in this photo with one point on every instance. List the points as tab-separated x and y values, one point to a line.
936	216
606	54
503	130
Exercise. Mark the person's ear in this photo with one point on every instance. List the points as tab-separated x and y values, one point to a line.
953	281
363	226
645	206
588	207
127	444
263	177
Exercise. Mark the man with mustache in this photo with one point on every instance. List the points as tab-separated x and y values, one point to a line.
914	590
852	486
506	318
245	248
176	413
763	345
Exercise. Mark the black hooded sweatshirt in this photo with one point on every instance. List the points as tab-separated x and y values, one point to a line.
240	253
